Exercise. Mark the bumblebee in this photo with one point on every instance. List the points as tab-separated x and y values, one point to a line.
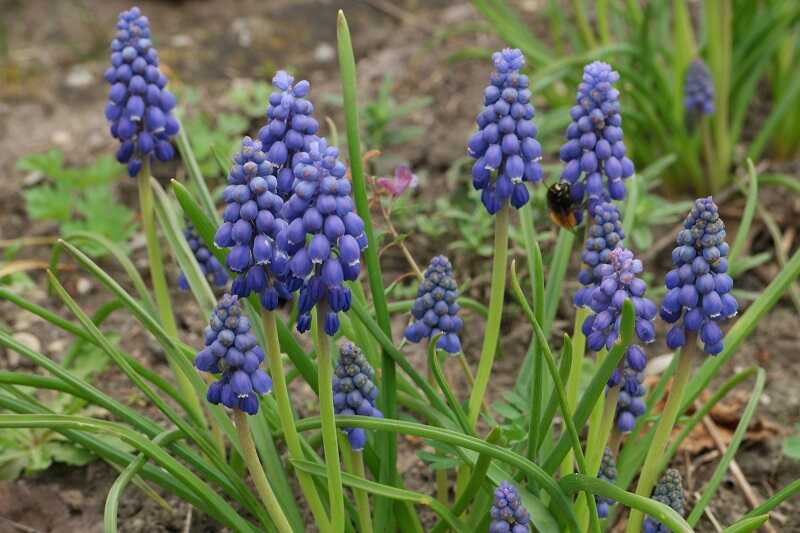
562	208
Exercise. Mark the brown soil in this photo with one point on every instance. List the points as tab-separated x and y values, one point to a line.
206	45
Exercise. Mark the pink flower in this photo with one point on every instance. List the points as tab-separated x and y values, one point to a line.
403	179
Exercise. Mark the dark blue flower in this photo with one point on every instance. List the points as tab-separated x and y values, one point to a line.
594	150
508	514
607	472
435	310
699	288
290	125
323	240
619	281
505	148
354	392
669	491
251	221
212	268
231	349
698	97
139	105
630	402
605	234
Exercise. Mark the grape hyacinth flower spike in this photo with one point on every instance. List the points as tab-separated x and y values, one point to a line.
669	491
604	234
354	392
619	281
209	265
232	350
608	472
594	149
435	309
698	91
505	148
290	125
251	222
698	287
507	513
324	237
139	105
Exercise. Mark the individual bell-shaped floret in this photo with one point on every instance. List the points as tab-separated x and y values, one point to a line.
139	105
594	153
505	148
699	289
211	268
354	391
232	350
435	309
669	491
507	513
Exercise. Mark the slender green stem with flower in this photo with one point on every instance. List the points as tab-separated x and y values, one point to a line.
263	487
361	497
650	469
492	331
159	280
329	439
573	380
287	419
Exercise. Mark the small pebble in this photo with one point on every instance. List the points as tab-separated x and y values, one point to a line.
29	340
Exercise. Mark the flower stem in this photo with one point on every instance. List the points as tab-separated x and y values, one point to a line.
439	473
263	488
329	442
160	283
650	469
574	378
492	330
362	499
287	419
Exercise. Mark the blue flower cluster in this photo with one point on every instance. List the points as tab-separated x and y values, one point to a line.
605	234
139	105
324	236
508	514
594	146
698	97
669	491
290	126
698	288
230	348
505	145
608	472
354	392
251	221
630	402
619	282
208	263
435	310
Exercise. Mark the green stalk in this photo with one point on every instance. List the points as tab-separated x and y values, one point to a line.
287	419
388	441
666	422
492	330
362	499
718	17
574	379
160	283
329	442
440	473
257	472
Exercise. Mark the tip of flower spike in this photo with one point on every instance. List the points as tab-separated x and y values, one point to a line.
435	309
354	392
231	349
669	491
507	512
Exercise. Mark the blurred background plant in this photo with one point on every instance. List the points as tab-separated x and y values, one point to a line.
78	199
